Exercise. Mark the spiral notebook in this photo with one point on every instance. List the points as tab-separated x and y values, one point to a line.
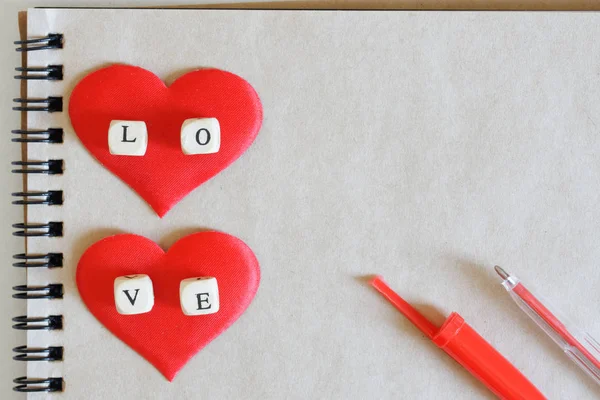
424	146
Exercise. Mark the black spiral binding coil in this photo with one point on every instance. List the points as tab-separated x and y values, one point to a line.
50	229
48	260
50	167
49	323
49	73
49	104
50	198
50	135
52	353
51	291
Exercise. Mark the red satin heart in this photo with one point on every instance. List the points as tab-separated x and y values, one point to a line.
166	337
164	175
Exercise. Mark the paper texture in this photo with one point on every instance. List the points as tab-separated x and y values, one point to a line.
423	146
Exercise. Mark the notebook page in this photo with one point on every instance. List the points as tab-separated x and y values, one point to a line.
423	146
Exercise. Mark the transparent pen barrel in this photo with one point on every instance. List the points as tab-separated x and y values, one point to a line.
583	349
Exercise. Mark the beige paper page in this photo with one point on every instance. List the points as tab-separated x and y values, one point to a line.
424	146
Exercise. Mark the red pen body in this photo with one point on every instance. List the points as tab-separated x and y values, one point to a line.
473	352
469	349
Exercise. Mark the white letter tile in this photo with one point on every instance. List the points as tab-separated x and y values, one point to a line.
199	296
134	294
200	136
127	138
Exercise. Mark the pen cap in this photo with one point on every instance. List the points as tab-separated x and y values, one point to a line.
467	347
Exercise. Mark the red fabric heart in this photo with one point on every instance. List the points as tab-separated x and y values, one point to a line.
166	337
164	175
